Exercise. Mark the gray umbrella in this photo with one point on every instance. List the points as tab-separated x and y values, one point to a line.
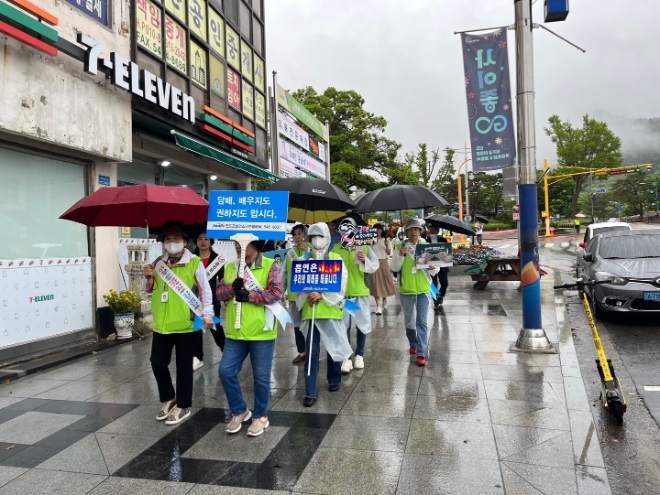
450	223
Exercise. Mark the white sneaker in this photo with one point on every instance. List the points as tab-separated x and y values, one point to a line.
197	364
346	366
379	310
359	362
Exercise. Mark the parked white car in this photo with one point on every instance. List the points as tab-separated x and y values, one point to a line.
593	230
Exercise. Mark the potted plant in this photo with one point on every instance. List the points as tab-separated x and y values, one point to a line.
123	306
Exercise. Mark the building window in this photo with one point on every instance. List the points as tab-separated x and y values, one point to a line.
258	10
231	11
34	191
245	21
137	172
257	36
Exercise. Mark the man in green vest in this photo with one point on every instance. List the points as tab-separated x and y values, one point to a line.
260	286
328	321
173	322
358	261
414	291
297	252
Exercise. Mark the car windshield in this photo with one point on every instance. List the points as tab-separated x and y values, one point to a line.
605	230
630	247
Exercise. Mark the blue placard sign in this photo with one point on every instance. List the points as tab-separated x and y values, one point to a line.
104	180
316	276
96	9
261	213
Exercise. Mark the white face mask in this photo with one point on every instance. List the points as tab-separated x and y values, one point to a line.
319	242
174	247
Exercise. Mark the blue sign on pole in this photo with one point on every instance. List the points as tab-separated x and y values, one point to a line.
601	190
261	213
96	9
316	276
104	180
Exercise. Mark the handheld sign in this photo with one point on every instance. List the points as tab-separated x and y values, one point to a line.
437	254
260	213
316	276
353	236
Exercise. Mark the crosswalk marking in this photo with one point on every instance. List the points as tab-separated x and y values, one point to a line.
549	245
565	244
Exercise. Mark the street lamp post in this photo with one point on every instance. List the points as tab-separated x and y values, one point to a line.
532	337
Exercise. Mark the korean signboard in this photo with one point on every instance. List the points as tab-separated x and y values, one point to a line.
96	9
248	101
438	254
148	27
198	64
246	61
260	109
288	128
488	92
217	77
233	48
297	109
175	45
300	159
233	89
197	18
178	8
216	32
259	74
262	213
316	276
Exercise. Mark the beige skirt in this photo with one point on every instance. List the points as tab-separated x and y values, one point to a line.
382	283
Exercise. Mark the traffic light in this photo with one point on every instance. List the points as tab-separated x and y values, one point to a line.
593	197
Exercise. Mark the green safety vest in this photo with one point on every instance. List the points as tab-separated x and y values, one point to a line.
289	269
174	316
253	316
413	283
323	310
356	286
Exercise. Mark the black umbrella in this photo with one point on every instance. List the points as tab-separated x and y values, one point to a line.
398	197
481	218
451	223
314	200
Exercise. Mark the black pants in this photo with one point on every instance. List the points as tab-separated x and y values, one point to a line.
441	280
161	356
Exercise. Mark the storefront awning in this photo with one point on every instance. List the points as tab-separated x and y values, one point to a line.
203	149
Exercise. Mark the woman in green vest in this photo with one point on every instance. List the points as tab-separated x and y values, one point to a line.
259	287
414	291
173	322
358	261
297	252
328	322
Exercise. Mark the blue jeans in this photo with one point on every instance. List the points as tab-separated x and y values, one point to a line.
261	356
300	340
419	336
361	339
334	368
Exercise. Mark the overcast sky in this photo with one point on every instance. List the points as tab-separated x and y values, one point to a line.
404	59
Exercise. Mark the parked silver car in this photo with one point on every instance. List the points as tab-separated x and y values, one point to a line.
631	261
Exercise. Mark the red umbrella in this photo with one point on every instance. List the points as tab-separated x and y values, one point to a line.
144	206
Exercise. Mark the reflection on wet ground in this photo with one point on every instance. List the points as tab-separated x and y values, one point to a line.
476	420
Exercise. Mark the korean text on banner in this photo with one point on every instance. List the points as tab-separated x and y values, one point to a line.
96	9
175	45
233	89
288	128
288	102
262	213
148	28
301	160
316	276
488	92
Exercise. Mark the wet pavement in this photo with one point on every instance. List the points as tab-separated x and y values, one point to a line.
476	420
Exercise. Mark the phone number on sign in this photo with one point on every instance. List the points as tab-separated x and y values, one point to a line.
245	226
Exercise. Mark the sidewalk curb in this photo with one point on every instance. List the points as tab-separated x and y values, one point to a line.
43	363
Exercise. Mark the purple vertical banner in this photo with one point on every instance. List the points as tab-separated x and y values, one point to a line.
488	92
529	257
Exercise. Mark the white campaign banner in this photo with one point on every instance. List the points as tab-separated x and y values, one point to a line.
41	298
324	158
288	128
298	158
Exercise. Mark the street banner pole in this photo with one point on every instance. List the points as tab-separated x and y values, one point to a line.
532	337
274	136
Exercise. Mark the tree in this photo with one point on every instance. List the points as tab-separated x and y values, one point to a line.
560	192
445	182
357	141
604	206
632	190
591	146
488	193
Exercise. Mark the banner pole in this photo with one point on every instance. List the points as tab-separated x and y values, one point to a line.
311	341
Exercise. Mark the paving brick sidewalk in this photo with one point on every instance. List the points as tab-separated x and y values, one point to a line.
476	420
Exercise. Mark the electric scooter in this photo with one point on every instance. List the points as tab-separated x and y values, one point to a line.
611	392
